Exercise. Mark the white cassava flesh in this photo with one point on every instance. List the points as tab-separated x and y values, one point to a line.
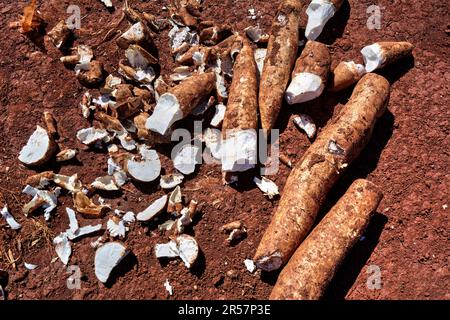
250	265
116	228
184	246
48	200
30	266
170	181
243	158
75	231
10	219
135	34
146	170
373	57
107	257
186	159
168	287
213	141
69	183
39	148
260	56
268	187
219	114
63	247
106	183
92	135
306	123
152	210
167	112
304	87
319	12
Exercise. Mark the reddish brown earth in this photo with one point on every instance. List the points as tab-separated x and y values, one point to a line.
408	157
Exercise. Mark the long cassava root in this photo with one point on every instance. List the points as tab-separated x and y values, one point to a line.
281	54
314	263
335	148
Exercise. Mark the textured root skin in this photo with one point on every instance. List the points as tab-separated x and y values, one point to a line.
318	170
192	90
394	51
281	53
315	262
343	77
315	59
242	104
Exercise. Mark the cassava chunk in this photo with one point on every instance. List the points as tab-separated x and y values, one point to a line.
179	101
315	262
310	73
39	149
339	143
280	58
345	74
319	12
380	54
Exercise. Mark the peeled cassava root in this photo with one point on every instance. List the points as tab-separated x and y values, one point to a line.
179	101
241	120
310	73
337	145
280	58
319	12
315	262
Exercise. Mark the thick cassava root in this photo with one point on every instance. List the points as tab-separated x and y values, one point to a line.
281	53
335	148
315	262
380	54
241	120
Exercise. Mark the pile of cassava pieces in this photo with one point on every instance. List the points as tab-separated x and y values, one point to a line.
218	68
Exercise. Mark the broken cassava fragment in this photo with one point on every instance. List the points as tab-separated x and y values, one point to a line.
345	74
310	73
138	34
170	181
60	34
256	35
86	207
63	247
187	158
219	114
66	155
319	12
148	168
175	204
380	54
267	186
280	58
306	123
90	136
179	101
184	246
69	183
315	262
107	257
151	211
241	120
10	219
48	200
75	231
39	149
318	170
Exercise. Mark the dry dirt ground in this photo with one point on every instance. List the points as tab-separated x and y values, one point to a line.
408	156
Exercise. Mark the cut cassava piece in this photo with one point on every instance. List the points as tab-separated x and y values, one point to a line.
241	119
310	73
339	143
314	263
179	101
345	74
319	12
280	58
380	54
39	148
